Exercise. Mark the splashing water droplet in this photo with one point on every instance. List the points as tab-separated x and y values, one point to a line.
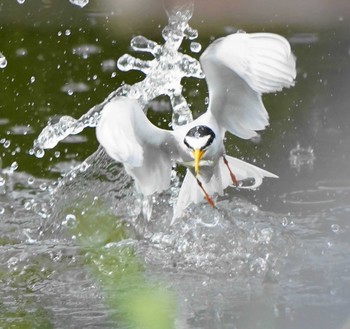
38	152
284	221
108	65
14	166
140	43
28	205
80	3
86	50
3	61
75	87
335	228
191	33
70	221
43	186
7	144
20	52
84	166
163	77
195	47
12	261
302	157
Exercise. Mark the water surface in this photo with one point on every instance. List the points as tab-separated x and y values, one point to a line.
75	250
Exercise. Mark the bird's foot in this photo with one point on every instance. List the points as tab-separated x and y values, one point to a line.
233	177
206	195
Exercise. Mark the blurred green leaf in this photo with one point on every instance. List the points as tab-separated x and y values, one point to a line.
110	255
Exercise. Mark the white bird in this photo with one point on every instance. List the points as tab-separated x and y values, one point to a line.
238	69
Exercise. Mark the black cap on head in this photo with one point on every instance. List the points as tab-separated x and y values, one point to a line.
200	132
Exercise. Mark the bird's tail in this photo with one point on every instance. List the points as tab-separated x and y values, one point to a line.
247	175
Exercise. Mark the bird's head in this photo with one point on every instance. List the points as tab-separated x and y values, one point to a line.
198	139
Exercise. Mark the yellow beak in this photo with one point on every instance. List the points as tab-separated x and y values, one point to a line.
197	154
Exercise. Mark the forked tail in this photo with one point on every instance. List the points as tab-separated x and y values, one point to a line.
191	192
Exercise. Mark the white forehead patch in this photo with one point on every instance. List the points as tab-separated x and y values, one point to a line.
197	142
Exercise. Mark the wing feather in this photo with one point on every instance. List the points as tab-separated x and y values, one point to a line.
130	138
238	69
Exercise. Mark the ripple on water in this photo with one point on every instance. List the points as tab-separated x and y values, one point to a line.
237	250
308	197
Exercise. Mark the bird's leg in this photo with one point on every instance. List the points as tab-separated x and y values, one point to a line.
207	197
233	177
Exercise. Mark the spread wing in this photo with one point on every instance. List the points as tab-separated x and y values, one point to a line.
130	138
238	69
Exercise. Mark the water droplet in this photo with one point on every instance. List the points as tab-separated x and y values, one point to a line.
21	1
84	166
284	221
43	186
7	144
31	180
108	65
126	63
12	261
75	87
39	153
86	50
335	228
2	210
67	32
300	157
195	47
32	79
80	3
28	205
3	61
14	166
140	43
191	33
2	181
20	52
70	221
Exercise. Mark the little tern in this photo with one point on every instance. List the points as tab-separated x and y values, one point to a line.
238	68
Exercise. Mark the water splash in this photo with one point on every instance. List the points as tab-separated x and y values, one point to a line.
80	3
163	77
301	157
3	61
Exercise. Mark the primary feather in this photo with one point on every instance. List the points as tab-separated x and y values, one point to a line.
145	150
238	69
